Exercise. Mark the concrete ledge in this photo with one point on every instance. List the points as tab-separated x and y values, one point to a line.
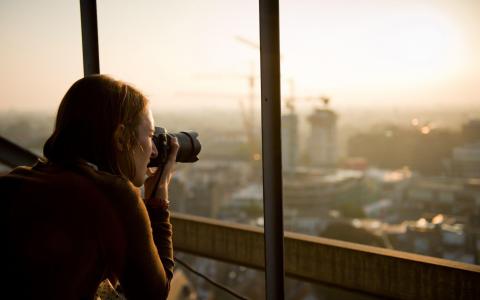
372	270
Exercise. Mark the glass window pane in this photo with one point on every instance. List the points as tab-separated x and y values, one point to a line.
381	123
41	56
198	62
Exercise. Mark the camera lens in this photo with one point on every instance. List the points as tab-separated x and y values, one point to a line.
187	153
189	146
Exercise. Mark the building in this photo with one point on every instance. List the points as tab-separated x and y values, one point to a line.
471	131
466	160
322	143
314	194
289	142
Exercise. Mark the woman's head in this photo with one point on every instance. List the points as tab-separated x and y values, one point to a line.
105	122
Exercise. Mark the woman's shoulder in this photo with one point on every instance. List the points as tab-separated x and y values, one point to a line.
116	185
80	182
123	197
80	174
21	178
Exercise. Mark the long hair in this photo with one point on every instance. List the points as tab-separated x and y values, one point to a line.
88	116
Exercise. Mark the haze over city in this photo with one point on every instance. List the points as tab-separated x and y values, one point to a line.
190	54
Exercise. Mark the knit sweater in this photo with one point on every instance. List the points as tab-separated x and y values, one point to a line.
65	230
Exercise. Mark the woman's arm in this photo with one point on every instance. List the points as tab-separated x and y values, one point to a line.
157	202
149	256
159	227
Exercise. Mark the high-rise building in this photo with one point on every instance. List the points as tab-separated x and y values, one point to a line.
466	158
471	131
322	143
289	142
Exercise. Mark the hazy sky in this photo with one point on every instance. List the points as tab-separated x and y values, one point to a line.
185	53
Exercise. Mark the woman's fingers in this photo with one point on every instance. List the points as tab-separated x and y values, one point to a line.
174	146
151	182
170	165
172	158
158	187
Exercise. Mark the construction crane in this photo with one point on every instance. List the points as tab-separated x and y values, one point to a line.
290	100
247	108
324	100
248	113
251	44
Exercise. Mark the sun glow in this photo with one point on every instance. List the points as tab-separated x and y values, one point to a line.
405	48
422	44
358	52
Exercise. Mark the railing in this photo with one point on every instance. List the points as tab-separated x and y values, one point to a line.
376	271
13	155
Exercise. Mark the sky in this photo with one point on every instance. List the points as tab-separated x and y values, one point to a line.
189	54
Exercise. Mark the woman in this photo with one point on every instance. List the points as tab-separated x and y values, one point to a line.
77	218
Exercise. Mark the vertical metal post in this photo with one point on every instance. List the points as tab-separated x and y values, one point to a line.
271	149
88	13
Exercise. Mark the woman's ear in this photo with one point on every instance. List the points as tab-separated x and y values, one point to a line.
119	137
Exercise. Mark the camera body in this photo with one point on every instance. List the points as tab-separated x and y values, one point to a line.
187	153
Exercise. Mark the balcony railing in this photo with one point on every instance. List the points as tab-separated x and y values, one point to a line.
376	271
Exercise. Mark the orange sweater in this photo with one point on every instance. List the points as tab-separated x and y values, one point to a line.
65	230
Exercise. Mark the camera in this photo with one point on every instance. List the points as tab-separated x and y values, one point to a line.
187	152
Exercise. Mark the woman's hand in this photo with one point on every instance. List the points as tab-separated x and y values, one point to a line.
156	189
